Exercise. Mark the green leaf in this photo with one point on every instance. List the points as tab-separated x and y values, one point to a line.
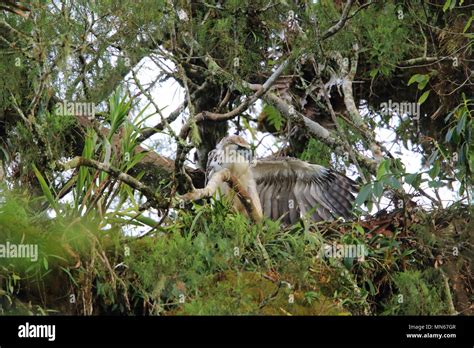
46	191
274	116
423	97
397	166
382	169
421	79
394	183
359	229
378	189
247	126
413	79
468	24
413	180
119	109
433	157
371	287
364	193
407	252
461	123
435	184
136	158
471	163
45	263
449	134
198	215
447	4
422	84
433	173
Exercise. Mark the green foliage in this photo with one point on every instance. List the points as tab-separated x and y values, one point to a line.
390	175
385	34
460	135
69	255
51	131
207	261
232	34
119	106
422	80
418	293
450	4
46	190
317	152
378	29
275	118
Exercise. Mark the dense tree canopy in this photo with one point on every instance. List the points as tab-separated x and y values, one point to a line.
88	150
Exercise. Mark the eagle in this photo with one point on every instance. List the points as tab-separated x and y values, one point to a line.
281	188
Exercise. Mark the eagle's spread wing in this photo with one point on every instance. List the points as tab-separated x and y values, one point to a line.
290	188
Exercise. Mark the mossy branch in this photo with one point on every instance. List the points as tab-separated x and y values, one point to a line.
156	200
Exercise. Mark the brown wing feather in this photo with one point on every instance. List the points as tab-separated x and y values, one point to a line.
310	188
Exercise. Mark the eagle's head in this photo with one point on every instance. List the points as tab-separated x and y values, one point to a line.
235	153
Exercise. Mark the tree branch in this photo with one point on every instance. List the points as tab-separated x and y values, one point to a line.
148	132
206	115
16	8
316	130
338	26
156	200
349	73
419	60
